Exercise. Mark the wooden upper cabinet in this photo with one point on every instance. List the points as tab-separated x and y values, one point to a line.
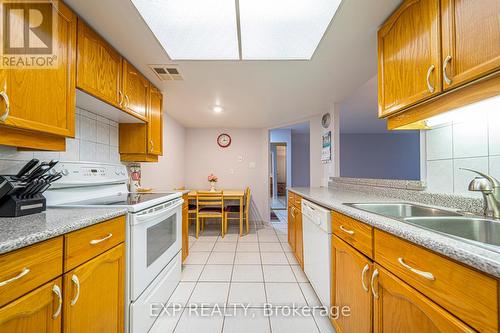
400	308
38	311
94	294
135	89
350	287
409	56
43	99
99	68
471	39
155	124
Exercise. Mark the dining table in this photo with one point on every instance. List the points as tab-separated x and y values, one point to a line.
236	195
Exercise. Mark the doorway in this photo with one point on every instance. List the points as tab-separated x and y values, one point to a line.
278	176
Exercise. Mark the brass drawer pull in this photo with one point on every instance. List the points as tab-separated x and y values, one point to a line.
17	277
426	275
5	97
363	276
372	283
429	85
347	231
56	290
445	65
97	241
76	282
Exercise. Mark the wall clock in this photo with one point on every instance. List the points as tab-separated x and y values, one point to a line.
224	140
326	120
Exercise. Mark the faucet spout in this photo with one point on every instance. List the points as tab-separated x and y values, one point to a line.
490	190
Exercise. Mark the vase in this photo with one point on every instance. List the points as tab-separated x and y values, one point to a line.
212	186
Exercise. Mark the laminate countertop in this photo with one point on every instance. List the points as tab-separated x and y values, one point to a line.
19	232
471	255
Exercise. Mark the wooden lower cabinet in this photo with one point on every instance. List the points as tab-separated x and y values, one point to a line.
299	242
38	311
291	227
295	238
350	287
400	308
93	294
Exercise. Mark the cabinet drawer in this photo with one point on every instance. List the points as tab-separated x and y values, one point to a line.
356	233
466	293
84	244
25	269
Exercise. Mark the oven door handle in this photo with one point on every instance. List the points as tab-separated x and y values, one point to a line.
143	217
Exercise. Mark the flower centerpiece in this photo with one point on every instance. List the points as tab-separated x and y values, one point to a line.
212	179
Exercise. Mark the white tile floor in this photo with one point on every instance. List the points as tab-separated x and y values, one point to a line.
234	279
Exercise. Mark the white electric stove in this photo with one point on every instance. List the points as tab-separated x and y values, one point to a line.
154	227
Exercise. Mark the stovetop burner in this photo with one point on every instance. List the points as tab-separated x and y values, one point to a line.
121	199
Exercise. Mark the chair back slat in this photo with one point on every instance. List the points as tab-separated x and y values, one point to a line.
209	199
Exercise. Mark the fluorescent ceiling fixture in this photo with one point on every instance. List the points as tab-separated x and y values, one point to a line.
217	109
469	113
283	29
193	29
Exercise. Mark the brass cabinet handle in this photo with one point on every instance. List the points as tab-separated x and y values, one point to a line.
152	145
57	291
372	283
426	275
363	276
429	85
120	98
293	209
445	65
76	282
347	231
127	101
17	277
97	241
5	97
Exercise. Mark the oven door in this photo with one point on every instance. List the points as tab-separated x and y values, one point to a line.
155	239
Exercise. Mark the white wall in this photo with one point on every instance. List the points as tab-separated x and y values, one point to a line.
300	159
471	140
243	163
169	172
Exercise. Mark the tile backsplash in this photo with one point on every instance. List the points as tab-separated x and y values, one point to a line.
472	142
96	140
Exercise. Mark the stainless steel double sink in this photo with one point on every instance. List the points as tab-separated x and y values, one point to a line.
477	230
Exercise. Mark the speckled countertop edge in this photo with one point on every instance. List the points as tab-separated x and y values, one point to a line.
19	232
466	253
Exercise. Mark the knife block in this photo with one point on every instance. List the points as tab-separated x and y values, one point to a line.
13	206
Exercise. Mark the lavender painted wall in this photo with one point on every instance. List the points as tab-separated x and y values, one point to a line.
380	156
300	159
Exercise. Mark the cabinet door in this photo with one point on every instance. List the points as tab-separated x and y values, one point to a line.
409	56
291	227
94	294
43	99
299	242
471	39
155	124
350	287
99	66
38	311
135	90
400	308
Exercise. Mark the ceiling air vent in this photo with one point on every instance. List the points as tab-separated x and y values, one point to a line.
167	72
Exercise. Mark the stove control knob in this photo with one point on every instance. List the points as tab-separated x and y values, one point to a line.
123	172
117	171
64	172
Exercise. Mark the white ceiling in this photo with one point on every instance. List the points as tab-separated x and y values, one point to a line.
253	93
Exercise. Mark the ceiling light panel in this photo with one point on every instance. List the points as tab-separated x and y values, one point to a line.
283	29
193	29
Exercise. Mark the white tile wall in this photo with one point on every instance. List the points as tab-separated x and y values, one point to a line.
473	142
96	140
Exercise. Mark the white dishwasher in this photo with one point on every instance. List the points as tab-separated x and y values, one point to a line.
317	235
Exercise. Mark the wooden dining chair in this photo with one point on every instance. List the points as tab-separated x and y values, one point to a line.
235	209
209	205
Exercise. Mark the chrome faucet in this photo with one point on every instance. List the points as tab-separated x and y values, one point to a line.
490	187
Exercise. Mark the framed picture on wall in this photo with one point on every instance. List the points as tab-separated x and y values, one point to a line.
326	152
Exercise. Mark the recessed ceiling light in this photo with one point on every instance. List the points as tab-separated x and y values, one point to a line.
217	109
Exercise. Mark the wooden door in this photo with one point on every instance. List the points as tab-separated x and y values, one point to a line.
299	242
135	90
99	67
43	98
94	294
38	311
400	308
471	39
409	56
185	227
155	124
350	287
291	226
